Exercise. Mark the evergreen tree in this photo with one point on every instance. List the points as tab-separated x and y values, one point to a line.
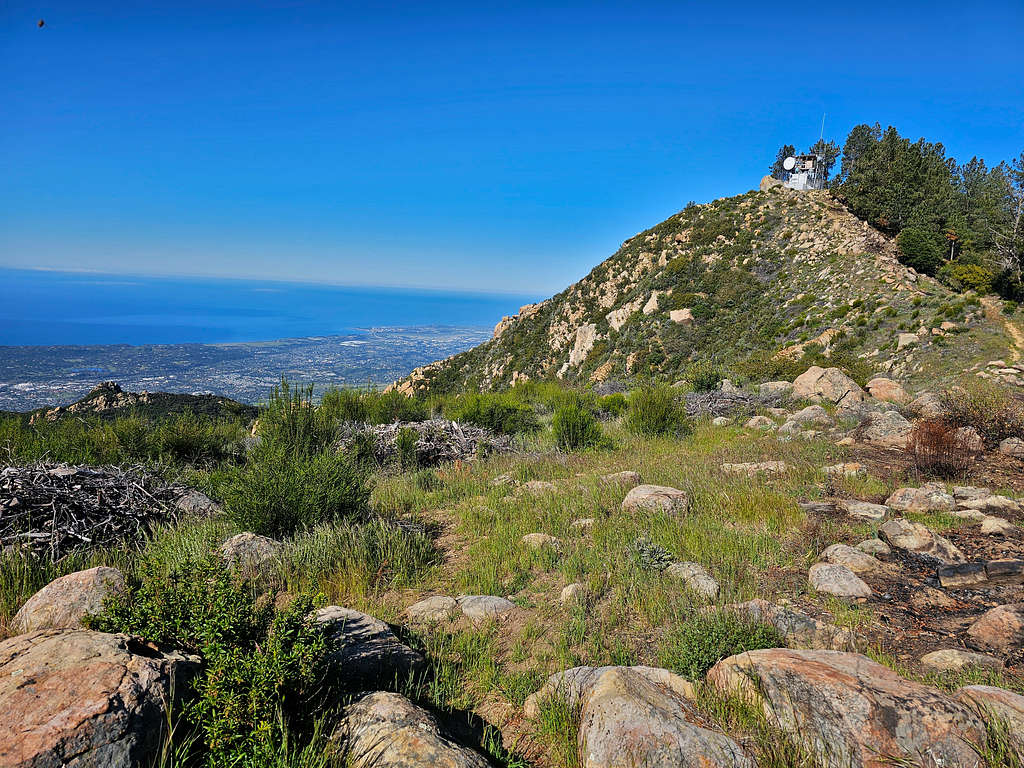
777	171
829	151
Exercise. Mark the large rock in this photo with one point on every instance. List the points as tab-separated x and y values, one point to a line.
656	498
249	552
851	711
363	650
386	730
953	659
796	628
196	503
480	607
84	699
854	559
829	384
64	602
927	498
887	390
638	716
812	415
988	700
928	405
885	428
1012	446
775	390
838	580
1000	629
435	608
901	533
864	510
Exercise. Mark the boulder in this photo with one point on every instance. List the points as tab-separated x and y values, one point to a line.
969	439
249	552
927	405
887	428
927	498
829	384
852	712
769	182
79	698
656	498
435	608
874	547
887	390
999	629
363	650
988	700
1012	446
626	479
812	415
64	602
479	607
196	503
854	559
775	390
992	503
796	628
386	730
837	580
997	526
952	659
637	716
760	422
914	537
904	340
864	510
572	593
695	577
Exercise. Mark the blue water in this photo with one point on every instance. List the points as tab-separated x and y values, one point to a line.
45	308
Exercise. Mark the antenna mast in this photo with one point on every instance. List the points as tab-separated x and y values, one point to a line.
821	136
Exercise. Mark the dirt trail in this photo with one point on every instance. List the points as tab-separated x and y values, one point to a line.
994	312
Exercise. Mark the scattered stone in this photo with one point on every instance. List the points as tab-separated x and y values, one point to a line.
874	547
721	421
927	405
886	428
436	608
887	390
479	607
583	524
969	439
829	384
627	479
249	552
638	716
1012	446
914	537
538	487
812	414
363	650
855	559
696	578
997	526
851	711
540	541
951	659
760	422
927	498
988	700
194	503
754	468
797	629
780	390
572	593
64	602
837	580
992	503
847	469
656	498
864	510
999	629
386	730
81	698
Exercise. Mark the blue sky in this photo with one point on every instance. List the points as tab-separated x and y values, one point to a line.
485	146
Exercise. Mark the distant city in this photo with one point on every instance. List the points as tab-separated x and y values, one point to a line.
36	376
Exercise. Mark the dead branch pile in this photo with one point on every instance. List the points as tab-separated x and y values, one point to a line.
437	441
720	403
55	509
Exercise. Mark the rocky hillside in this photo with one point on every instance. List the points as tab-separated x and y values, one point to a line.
750	283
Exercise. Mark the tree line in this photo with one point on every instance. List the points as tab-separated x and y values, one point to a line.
962	223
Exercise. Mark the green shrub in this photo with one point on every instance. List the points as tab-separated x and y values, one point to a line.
185	438
389	407
614	404
703	376
278	492
497	412
654	410
701	640
920	249
292	424
576	428
992	409
405	444
967	277
344	405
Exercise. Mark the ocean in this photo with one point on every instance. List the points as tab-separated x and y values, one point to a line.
45	308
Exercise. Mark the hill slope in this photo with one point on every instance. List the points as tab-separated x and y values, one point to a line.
750	283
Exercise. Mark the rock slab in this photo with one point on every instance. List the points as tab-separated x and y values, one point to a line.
64	602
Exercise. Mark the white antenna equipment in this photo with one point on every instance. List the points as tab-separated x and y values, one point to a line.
789	163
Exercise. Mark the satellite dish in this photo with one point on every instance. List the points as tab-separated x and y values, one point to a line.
789	163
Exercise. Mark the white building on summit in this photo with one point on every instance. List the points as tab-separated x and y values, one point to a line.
804	172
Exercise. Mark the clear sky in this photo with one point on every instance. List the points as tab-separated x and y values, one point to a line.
491	146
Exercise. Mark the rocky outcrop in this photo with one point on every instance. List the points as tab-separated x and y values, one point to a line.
64	602
852	712
887	391
828	384
927	498
386	730
797	629
81	698
633	716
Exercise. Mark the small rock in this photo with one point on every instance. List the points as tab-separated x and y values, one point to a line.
503	481
572	593
951	659
874	547
754	468
696	578
964	493
583	524
1012	446
855	559
812	414
247	551
436	608
386	730
992	503
540	541
721	421
64	602
997	526
837	580
196	503
864	510
927	498
914	537
847	469
626	479
780	390
538	487
968	439
656	498
928	405
999	629
484	606
760	422
905	340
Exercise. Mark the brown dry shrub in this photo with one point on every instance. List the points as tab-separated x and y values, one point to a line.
938	450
